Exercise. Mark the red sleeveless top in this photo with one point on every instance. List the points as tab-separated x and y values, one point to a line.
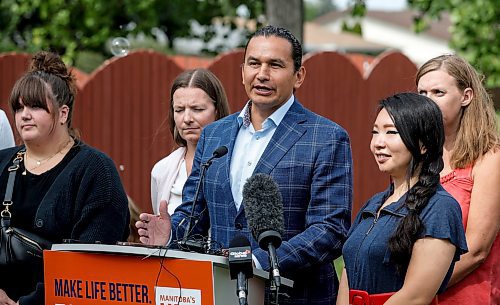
482	286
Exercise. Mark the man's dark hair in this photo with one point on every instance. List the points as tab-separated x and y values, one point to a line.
271	30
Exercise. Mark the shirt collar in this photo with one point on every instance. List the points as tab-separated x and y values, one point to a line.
276	117
396	208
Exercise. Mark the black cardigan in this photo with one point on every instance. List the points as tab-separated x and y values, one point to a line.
86	202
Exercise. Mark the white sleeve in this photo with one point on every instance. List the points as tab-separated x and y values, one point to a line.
154	194
6	136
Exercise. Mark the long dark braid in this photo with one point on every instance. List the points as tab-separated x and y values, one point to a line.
411	226
420	125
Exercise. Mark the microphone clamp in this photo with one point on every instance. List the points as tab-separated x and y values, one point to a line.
193	245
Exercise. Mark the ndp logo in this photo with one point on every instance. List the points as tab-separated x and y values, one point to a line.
177	296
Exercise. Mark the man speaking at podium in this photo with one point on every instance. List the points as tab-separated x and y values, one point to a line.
307	155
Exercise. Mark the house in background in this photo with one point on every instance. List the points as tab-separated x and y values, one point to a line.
394	30
320	38
359	51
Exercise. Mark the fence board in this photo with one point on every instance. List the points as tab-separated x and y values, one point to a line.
12	66
227	67
121	110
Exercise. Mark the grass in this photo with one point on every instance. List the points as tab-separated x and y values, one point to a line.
339	265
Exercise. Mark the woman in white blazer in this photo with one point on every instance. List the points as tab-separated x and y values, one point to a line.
197	98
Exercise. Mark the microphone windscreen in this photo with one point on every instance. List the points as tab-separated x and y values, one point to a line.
220	151
263	205
239	241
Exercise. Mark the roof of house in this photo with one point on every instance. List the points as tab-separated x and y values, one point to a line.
438	28
317	37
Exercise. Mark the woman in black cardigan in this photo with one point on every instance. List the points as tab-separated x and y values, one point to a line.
63	188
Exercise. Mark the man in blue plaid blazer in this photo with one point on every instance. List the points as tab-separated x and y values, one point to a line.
307	155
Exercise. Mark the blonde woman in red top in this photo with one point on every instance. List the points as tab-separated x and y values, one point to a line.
471	174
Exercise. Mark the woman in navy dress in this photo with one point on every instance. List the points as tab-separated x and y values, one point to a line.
403	245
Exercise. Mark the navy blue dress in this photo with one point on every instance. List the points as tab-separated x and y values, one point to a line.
366	254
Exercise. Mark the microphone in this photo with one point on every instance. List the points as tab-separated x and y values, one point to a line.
264	212
219	152
240	265
196	245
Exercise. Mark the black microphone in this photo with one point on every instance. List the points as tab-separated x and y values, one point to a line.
264	212
219	152
240	265
196	245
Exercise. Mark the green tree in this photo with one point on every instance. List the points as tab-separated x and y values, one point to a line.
174	15
353	24
314	9
71	26
475	30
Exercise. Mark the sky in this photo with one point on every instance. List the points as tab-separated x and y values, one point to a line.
389	5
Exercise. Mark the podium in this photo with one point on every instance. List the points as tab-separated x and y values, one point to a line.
85	274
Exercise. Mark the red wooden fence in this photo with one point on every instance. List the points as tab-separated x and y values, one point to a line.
121	108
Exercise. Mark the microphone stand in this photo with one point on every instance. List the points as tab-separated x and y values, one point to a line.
195	245
242	288
270	240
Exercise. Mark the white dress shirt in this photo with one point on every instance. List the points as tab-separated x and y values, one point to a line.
250	145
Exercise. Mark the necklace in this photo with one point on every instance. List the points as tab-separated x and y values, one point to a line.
39	162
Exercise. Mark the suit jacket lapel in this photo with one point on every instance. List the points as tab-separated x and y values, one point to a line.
288	132
228	139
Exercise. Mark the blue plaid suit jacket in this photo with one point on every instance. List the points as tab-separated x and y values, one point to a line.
309	157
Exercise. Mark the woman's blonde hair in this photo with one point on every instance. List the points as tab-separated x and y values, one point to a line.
477	131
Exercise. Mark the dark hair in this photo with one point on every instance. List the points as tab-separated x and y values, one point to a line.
276	31
202	79
420	125
48	79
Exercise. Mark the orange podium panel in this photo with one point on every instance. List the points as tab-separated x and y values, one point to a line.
88	274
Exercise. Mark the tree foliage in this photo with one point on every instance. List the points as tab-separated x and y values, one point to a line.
475	30
71	26
358	11
68	26
173	15
317	8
